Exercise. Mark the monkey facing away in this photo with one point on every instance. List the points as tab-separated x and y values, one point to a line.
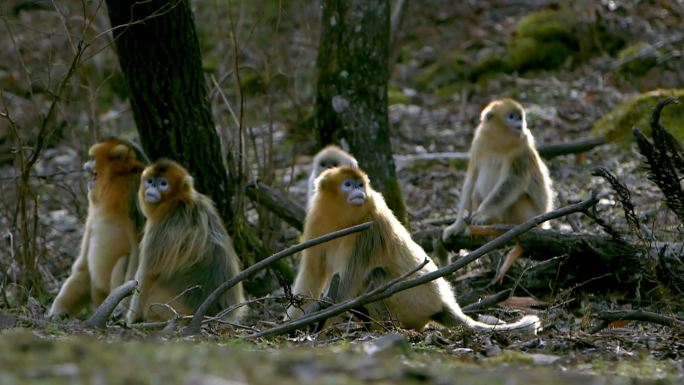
329	157
185	251
507	181
109	247
345	198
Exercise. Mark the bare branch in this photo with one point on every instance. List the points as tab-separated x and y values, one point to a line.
383	293
194	326
487	301
607	317
99	319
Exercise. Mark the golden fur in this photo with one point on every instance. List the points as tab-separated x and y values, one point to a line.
386	246
185	244
507	181
109	246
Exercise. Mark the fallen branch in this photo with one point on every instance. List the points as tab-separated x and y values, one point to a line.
195	324
394	287
539	243
487	301
546	151
293	213
99	319
287	210
607	317
553	150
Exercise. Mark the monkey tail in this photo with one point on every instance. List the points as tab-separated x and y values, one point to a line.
453	316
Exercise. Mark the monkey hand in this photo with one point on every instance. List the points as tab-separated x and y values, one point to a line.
479	218
456	228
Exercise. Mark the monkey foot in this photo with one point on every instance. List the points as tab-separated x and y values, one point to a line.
510	258
481	231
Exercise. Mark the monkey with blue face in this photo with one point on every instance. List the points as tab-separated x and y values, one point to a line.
507	182
185	251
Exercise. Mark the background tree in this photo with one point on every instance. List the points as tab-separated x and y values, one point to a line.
160	57
351	96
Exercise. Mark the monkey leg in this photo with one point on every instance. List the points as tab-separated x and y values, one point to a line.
510	258
376	311
74	293
476	230
154	309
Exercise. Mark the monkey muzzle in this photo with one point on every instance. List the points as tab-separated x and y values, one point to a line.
356	198
89	167
152	195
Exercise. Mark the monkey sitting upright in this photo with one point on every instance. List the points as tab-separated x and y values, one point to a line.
506	182
344	198
329	157
185	251
109	248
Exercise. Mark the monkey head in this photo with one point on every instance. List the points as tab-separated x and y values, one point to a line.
113	157
343	193
330	157
506	117
164	184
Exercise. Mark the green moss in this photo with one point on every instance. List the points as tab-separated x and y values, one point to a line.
530	54
617	124
636	60
442	73
489	67
396	96
543	40
548	25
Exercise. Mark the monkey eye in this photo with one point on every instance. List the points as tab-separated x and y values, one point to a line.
149	182
513	116
163	184
347	185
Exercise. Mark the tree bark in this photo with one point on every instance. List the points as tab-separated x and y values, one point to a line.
160	58
351	96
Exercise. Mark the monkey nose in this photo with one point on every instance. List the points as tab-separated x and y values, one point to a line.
152	196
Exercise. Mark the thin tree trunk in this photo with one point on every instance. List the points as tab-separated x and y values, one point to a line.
351	98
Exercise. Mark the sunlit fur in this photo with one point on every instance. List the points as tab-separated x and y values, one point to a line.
185	244
506	181
109	247
329	157
386	245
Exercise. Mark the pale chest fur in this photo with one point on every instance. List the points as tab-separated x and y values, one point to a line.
487	176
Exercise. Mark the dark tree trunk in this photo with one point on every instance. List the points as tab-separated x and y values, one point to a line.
351	98
160	57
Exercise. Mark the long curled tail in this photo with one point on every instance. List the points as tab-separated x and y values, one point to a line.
453	316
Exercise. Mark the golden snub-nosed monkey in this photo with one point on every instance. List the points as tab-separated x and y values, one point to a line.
506	182
343	198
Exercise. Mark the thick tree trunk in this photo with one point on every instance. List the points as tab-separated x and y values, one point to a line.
351	98
160	57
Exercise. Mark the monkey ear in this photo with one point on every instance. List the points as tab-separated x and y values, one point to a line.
119	151
93	149
188	182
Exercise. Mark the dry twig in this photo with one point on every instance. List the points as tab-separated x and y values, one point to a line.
394	287
194	326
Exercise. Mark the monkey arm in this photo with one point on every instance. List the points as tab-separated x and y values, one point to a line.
466	198
311	278
134	313
506	192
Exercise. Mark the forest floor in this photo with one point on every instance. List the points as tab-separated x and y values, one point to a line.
563	104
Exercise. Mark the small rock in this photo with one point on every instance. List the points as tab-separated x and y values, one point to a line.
389	344
544	359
